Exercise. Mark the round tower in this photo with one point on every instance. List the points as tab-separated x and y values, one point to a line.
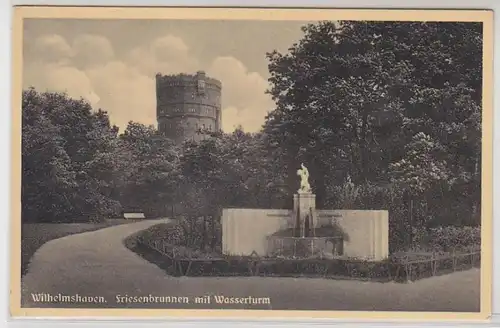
186	104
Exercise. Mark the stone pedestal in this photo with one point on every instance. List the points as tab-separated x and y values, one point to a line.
305	203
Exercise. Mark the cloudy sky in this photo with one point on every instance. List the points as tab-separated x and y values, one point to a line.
112	63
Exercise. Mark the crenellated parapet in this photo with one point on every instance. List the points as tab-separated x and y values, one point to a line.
187	80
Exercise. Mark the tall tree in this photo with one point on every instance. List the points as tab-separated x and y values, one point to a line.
66	159
351	95
150	170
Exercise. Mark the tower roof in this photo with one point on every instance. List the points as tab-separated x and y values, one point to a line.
187	78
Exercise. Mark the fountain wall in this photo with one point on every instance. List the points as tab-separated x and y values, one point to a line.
246	231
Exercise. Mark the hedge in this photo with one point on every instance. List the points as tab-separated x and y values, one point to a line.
451	238
180	261
163	245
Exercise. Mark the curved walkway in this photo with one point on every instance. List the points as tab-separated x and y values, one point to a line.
98	264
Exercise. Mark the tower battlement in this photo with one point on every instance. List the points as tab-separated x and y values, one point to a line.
186	80
187	103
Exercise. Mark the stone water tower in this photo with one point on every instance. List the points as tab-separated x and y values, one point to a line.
186	104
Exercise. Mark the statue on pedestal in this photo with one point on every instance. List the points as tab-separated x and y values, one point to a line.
305	187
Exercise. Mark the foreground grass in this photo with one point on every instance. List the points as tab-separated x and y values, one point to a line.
34	235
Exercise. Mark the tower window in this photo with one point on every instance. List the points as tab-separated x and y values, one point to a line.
201	86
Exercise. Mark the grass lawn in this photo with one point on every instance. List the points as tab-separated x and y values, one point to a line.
34	235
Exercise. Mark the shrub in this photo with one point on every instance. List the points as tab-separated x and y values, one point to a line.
411	215
183	261
188	232
453	238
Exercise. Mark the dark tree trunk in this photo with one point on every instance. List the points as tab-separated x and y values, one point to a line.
319	183
192	227
292	180
215	220
356	175
363	158
204	243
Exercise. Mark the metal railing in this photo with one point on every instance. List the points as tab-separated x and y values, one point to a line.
434	264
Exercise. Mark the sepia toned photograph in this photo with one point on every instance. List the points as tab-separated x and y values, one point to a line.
328	161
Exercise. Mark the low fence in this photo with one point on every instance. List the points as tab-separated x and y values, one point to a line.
426	265
181	261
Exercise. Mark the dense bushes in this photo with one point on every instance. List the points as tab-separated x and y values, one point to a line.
181	261
169	252
412	224
452	238
199	234
67	162
369	196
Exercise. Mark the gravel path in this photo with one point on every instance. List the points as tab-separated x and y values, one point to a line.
98	265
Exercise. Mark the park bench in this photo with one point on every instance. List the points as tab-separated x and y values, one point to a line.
133	215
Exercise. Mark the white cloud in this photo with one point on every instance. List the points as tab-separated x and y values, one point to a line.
92	49
234	117
167	55
60	77
243	94
126	88
125	93
51	69
51	48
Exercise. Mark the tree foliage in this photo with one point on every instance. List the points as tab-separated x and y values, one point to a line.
387	104
67	159
386	115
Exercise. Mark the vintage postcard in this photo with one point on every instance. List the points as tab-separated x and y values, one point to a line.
313	163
